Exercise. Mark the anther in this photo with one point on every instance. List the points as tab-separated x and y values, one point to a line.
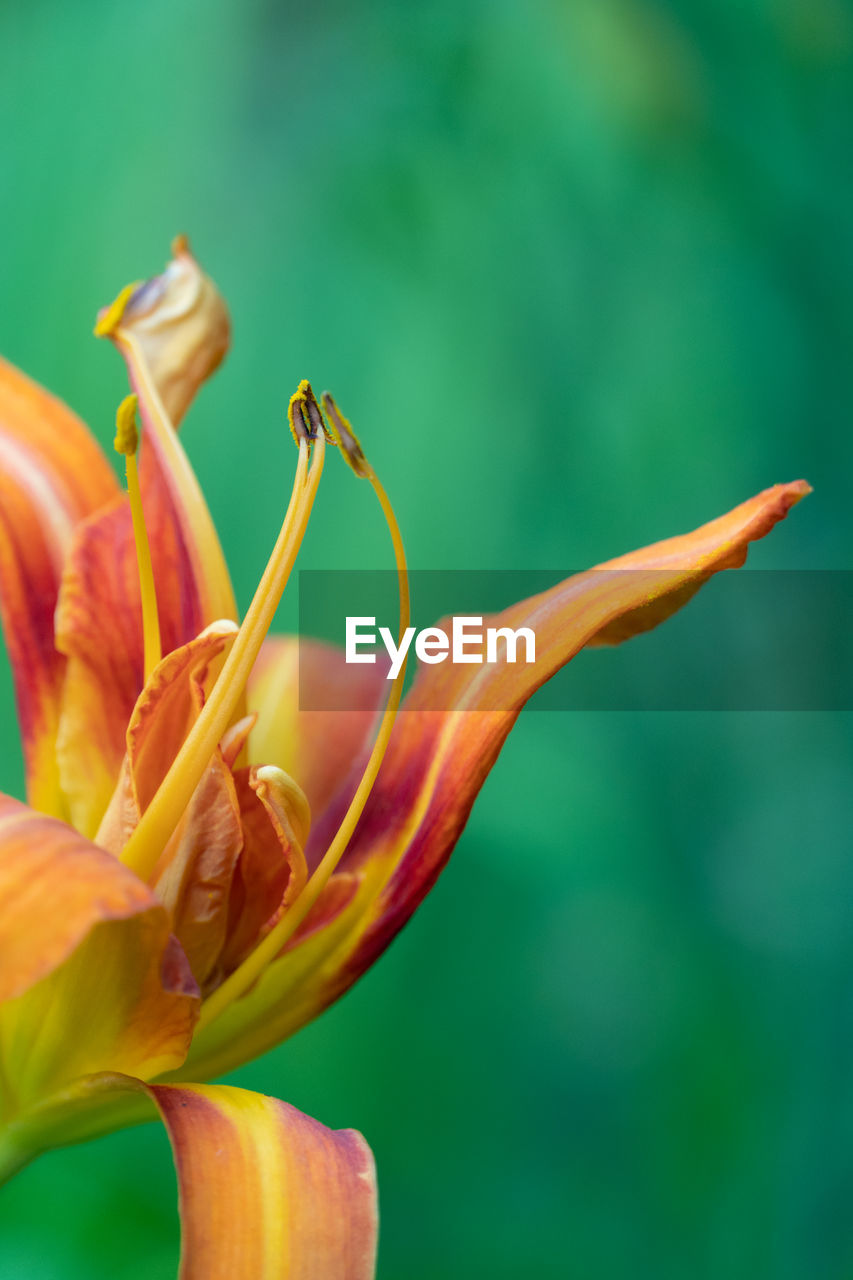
303	414
109	318
345	438
127	437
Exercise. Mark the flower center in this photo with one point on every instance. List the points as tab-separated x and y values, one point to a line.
146	843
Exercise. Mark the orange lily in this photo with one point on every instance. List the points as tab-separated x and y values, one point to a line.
202	867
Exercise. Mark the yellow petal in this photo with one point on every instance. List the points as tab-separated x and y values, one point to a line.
267	1193
90	978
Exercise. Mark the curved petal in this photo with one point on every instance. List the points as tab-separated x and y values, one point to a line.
267	1193
316	747
83	944
438	759
173	332
99	630
52	475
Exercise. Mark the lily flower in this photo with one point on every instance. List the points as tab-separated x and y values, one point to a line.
202	867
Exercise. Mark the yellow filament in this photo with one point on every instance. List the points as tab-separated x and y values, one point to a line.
253	966
146	843
127	443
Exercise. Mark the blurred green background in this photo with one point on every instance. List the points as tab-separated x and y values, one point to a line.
581	272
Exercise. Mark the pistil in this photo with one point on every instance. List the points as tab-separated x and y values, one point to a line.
148	840
245	976
127	443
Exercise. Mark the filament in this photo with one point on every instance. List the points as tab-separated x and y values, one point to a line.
147	841
176	463
127	443
253	966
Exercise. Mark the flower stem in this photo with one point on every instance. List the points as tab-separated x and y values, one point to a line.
13	1157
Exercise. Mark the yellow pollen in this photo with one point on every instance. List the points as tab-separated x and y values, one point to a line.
301	428
110	318
148	840
245	976
127	443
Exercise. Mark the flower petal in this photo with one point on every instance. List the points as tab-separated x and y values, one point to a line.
439	758
52	475
266	1193
83	944
235	860
271	870
452	754
173	332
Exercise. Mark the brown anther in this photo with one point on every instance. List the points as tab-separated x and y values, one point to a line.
346	439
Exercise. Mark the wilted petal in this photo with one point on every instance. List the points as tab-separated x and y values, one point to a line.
267	1193
52	475
90	978
173	332
180	324
445	741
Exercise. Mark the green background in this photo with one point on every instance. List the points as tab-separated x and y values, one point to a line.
580	271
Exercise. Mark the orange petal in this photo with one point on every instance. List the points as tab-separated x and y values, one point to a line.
52	474
452	754
270	871
194	876
267	1193
197	882
439	758
315	747
234	860
99	630
173	332
90	978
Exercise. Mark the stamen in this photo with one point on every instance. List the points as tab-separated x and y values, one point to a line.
245	976
127	443
147	842
346	439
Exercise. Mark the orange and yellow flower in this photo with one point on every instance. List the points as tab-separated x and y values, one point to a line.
202	866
